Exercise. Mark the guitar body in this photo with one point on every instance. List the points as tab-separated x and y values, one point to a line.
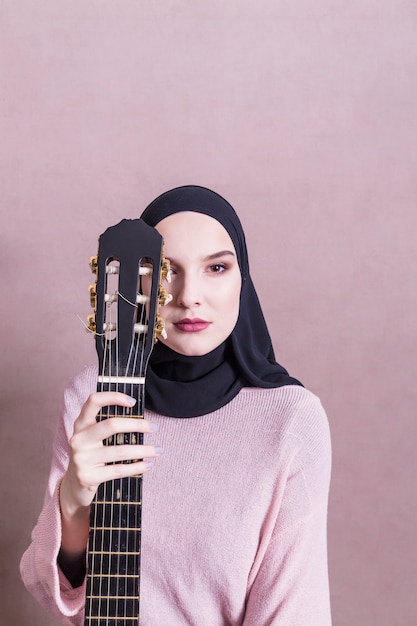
129	269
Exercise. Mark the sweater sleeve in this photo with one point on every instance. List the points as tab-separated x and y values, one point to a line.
39	570
289	579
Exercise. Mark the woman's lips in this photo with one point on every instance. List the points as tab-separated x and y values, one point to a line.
192	326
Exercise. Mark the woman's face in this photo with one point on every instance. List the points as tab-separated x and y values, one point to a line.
205	283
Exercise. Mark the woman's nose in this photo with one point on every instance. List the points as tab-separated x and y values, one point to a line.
188	291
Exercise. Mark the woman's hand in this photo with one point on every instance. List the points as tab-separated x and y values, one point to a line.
91	463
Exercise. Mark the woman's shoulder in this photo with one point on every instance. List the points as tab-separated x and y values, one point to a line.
286	399
290	409
297	426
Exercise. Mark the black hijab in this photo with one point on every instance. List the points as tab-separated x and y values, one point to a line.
188	386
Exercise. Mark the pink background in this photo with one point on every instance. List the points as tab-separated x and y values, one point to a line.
303	115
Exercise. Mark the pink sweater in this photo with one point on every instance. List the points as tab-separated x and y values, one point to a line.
234	516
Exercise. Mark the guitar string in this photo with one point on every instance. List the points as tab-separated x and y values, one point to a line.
94	514
129	389
111	351
114	482
108	348
110	343
137	482
94	593
134	482
139	485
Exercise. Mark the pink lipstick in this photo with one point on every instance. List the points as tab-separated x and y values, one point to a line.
194	325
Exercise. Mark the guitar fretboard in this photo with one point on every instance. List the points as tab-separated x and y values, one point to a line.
113	566
114	553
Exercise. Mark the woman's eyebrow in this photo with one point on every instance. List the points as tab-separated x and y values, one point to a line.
216	255
209	257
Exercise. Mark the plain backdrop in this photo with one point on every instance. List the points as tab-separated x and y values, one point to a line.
303	115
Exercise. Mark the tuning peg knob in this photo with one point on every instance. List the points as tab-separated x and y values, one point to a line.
94	264
93	296
91	323
163	296
159	328
165	269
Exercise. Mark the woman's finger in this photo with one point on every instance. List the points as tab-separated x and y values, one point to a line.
122	470
115	454
115	425
97	401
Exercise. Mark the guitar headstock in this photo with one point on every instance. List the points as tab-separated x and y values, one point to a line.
129	269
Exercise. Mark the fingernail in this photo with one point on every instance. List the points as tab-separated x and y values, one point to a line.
159	450
131	401
149	463
153	426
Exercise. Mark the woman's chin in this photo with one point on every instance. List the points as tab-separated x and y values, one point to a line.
190	346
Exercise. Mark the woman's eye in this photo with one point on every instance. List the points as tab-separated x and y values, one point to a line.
218	268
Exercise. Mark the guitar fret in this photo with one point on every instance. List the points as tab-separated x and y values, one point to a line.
109	617
101	597
124	414
106	502
111	528
114	576
114	586
115	552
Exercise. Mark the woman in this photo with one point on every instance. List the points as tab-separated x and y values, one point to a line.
235	507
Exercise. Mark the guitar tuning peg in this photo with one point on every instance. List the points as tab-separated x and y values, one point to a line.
94	264
163	296
93	296
165	269
91	323
159	328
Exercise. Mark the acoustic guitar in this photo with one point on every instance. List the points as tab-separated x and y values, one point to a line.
129	270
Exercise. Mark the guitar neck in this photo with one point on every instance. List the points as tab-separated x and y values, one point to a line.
129	270
113	565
